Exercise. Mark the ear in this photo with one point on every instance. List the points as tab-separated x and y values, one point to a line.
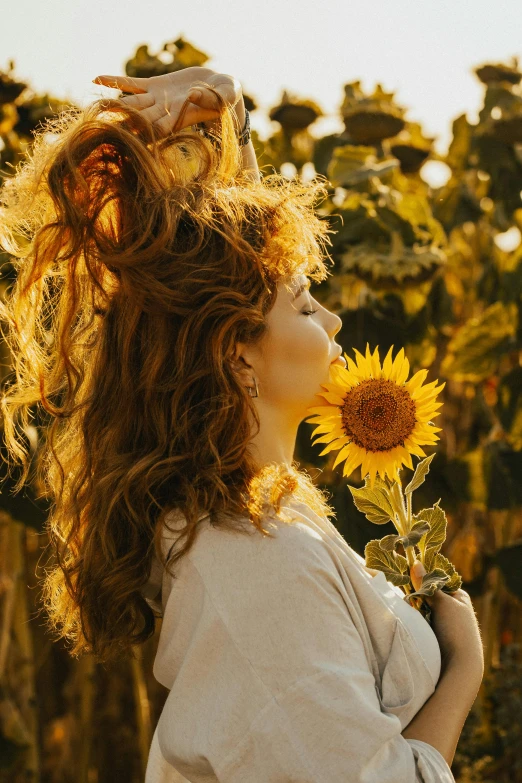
241	363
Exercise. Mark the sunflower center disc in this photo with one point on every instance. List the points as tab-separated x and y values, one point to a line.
378	415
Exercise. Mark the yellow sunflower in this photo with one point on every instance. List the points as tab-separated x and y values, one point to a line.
375	417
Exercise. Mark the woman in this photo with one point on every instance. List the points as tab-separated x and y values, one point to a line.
161	317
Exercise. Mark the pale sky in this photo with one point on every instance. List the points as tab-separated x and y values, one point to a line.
422	49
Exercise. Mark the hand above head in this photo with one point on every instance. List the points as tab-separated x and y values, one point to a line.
174	101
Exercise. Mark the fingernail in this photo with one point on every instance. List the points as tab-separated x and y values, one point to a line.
195	95
418	568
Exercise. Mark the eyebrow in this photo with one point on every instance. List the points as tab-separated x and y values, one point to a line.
300	290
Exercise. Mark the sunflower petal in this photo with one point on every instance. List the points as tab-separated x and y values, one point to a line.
350	466
322	428
372	362
331	397
424	407
324	439
397	364
372	471
414	449
427	416
327	409
388	364
365	463
376	364
425	434
342	377
352	367
404	372
353	461
362	368
323	420
345	451
404	455
381	468
422	410
336	432
426	398
423	438
408	462
338	443
416	380
338	387
331	387
423	391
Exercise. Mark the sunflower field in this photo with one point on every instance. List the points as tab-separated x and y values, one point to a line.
427	253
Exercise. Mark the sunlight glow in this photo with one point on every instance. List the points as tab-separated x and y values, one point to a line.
435	173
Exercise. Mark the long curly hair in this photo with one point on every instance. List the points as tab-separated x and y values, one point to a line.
140	262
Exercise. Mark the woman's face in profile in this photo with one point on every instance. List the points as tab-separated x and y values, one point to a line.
293	358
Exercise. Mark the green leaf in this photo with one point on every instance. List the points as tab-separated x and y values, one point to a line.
416	533
379	483
460	144
431	582
509	401
389	543
421	471
432	540
441	576
393	566
476	349
394	222
402	563
352	164
373	503
455	580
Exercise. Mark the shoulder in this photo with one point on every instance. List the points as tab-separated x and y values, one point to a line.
293	543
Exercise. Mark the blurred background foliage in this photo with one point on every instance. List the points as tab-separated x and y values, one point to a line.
428	256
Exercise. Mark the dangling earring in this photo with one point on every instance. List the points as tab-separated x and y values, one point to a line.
256	389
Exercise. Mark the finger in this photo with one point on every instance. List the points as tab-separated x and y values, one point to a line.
227	87
133	84
142	101
203	97
176	117
172	121
417	574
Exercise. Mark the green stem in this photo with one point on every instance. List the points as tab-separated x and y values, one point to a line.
398	512
403	524
405	512
411	554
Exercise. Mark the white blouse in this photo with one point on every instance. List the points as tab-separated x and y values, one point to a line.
288	661
427	642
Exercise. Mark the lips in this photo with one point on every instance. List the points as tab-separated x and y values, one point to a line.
340	360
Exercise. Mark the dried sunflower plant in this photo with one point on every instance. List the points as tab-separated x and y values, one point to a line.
378	419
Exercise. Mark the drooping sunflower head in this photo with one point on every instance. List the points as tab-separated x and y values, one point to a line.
375	417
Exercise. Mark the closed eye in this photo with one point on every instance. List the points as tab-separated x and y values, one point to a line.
308	312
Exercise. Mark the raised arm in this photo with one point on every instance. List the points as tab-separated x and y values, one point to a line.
180	99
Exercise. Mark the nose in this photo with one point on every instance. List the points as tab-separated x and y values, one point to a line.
336	324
